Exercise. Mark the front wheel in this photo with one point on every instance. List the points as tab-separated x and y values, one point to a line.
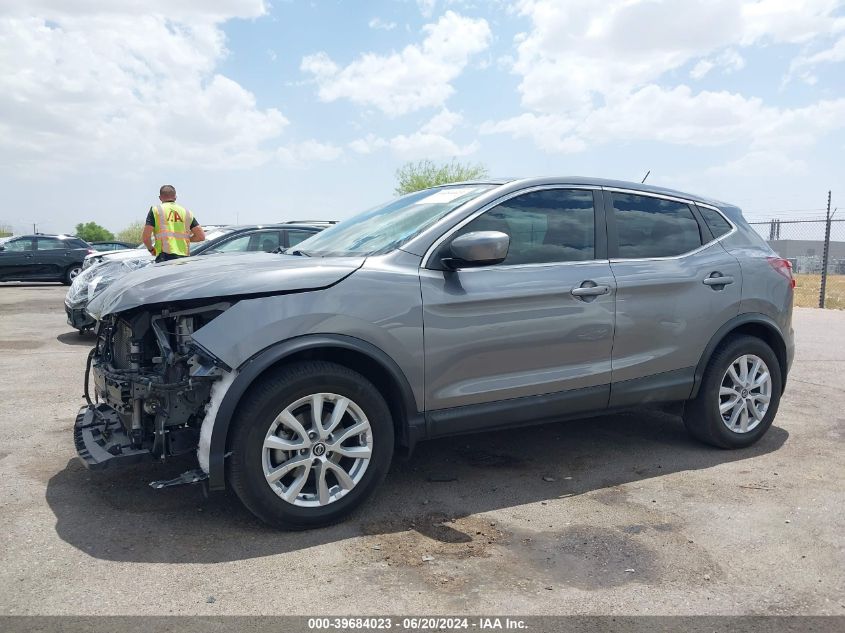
311	443
739	395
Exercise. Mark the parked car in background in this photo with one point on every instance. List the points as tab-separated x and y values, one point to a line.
463	308
112	246
42	257
106	268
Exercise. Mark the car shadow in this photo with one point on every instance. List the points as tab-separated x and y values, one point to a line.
115	515
86	339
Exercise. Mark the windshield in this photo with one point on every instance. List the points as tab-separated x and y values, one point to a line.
390	225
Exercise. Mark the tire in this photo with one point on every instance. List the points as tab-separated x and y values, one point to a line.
263	406
702	416
71	273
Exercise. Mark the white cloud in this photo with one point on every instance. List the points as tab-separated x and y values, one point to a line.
426	7
580	50
419	76
309	152
729	60
442	123
703	67
592	72
113	83
803	65
678	116
378	23
430	141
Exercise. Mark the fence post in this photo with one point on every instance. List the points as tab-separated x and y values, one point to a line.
825	254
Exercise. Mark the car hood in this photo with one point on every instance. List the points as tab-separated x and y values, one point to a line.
221	276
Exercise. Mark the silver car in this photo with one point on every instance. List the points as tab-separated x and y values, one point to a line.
296	377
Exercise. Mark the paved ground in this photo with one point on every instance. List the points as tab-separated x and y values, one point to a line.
637	519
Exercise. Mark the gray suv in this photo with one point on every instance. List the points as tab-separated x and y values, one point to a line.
296	377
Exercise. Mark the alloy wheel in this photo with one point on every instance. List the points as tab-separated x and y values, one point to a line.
745	393
317	450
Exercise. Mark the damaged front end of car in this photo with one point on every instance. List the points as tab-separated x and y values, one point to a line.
148	384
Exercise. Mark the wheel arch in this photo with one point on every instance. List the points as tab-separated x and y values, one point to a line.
348	351
751	324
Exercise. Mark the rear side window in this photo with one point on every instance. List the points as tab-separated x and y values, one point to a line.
717	224
556	225
76	243
50	244
654	227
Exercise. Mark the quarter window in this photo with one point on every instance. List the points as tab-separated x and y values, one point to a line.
556	225
717	224
654	227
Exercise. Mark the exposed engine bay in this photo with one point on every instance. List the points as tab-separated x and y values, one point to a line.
151	384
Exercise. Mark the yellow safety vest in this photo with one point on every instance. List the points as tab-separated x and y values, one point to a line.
172	229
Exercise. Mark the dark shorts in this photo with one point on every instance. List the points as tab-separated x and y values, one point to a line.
166	257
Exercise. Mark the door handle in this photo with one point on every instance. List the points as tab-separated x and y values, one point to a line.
590	291
717	279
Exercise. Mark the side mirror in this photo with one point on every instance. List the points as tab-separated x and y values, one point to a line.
479	248
2	248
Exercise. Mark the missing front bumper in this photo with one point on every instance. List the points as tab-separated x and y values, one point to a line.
79	319
101	441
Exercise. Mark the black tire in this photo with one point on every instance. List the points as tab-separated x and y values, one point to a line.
261	406
701	416
71	273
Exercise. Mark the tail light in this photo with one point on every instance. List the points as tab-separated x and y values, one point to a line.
91	251
783	267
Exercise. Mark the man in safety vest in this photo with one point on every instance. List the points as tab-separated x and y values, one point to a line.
173	227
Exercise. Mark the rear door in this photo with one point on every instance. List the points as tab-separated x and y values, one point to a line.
538	324
17	259
52	257
676	286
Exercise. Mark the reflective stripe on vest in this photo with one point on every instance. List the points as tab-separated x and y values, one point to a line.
173	229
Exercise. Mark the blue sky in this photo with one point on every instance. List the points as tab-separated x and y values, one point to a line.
296	110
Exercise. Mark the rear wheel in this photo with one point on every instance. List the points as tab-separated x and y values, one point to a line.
739	395
312	442
71	273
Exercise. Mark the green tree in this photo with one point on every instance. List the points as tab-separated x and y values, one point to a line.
132	233
93	232
423	174
5	230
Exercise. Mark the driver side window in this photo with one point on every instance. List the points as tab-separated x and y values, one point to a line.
555	225
19	246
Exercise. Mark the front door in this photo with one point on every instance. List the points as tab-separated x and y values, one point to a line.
538	324
17	259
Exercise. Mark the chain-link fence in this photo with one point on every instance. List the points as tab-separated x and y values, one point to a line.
816	249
